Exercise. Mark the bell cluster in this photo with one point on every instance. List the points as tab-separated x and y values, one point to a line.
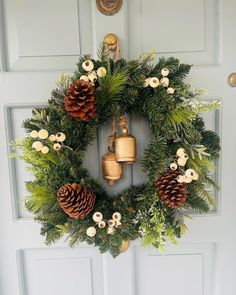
121	150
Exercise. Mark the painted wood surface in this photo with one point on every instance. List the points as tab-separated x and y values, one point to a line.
39	40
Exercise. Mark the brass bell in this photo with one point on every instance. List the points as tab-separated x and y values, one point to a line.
111	169
124	246
125	144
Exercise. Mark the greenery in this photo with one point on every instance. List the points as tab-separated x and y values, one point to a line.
175	122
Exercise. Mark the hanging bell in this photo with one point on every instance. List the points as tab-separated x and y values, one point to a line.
124	246
111	169
125	144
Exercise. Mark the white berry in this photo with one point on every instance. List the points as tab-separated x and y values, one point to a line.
173	166
91	231
101	72
37	145
146	82
111	230
60	137
170	90
196	176
52	137
181	162
118	224
88	65
57	146
116	216
190	173
180	152
180	178
154	82
45	150
111	222
165	82
187	179
185	156
165	72
92	77
101	224
97	216
84	77
43	134
34	134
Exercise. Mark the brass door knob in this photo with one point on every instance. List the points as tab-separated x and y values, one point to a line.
232	80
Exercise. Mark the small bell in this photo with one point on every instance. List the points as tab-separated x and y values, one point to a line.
124	246
125	144
111	169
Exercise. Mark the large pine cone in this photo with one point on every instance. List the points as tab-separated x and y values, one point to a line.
80	100
170	191
77	201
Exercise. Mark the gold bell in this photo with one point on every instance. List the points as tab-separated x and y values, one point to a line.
111	169
124	246
125	144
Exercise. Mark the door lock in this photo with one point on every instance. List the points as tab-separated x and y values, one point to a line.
232	80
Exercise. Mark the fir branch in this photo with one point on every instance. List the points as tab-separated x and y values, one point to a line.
103	54
179	116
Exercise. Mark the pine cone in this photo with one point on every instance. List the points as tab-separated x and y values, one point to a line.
170	191
80	100
75	200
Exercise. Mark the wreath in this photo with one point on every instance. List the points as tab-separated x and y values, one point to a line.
179	161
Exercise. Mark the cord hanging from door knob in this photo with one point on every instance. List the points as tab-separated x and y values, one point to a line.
113	45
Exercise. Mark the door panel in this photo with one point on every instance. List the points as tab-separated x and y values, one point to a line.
18	172
39	40
41	47
84	271
187	267
187	29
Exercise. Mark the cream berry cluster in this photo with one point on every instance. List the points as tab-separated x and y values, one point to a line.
190	174
155	82
112	224
58	140
92	75
42	137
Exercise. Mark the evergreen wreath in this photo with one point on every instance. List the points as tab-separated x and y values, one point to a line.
179	160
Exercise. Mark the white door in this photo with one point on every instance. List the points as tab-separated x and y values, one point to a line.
39	40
